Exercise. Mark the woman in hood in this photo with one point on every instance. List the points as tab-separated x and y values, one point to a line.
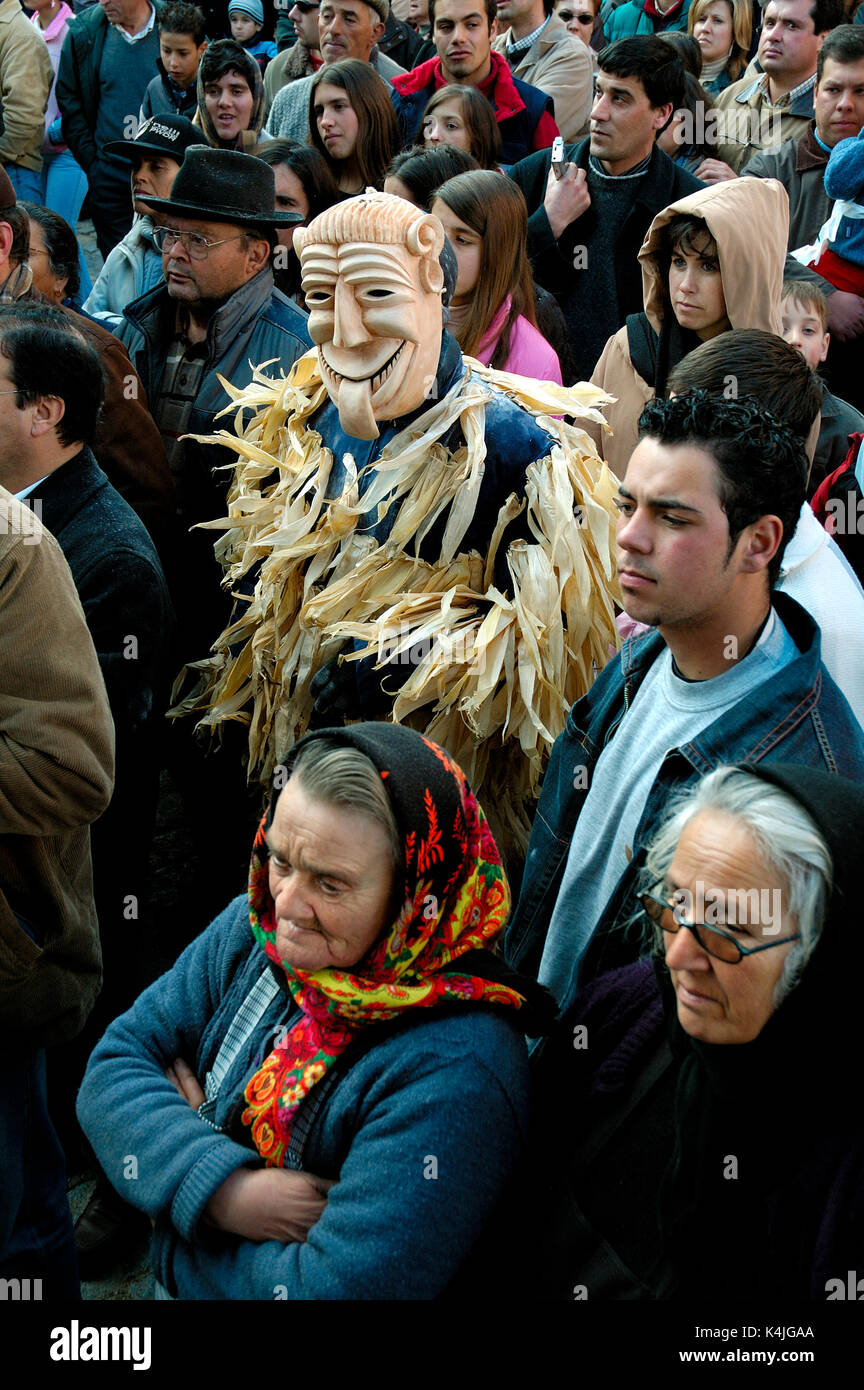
705	269
708	1141
230	97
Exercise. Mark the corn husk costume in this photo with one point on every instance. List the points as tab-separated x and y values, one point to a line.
492	673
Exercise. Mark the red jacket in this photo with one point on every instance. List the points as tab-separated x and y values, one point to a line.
524	113
839	506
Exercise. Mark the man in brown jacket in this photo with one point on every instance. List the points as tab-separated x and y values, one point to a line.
56	773
541	51
761	111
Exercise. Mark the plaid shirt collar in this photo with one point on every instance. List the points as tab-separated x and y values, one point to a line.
789	97
515	50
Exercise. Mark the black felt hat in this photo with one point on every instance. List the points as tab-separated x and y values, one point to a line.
224	186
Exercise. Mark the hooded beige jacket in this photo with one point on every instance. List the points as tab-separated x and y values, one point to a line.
749	221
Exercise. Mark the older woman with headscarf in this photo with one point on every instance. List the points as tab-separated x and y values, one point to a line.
230	97
357	1044
700	1113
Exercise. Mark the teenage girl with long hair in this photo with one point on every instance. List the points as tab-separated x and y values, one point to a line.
352	124
463	117
304	185
492	313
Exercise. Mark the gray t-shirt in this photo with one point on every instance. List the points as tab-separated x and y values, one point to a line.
666	712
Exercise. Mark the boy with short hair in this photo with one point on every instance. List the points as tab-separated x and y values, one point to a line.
804	311
247	20
182	40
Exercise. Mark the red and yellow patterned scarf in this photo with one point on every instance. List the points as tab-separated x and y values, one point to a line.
456	900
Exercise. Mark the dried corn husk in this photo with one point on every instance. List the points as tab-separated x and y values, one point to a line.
492	674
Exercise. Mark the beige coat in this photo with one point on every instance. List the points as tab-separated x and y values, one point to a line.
751	266
748	123
26	78
56	773
560	65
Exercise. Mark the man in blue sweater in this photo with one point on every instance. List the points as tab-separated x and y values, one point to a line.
108	59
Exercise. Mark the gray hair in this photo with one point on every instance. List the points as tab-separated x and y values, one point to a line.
788	840
340	775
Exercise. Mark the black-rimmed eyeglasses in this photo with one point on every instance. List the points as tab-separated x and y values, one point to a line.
714	940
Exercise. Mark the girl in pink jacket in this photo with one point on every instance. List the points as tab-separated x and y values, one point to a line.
492	312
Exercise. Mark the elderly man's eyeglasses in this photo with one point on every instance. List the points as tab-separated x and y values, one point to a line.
716	942
194	244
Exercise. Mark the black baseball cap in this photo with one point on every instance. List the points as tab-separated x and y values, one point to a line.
166	134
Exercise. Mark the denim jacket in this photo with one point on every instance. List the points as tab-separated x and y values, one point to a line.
799	716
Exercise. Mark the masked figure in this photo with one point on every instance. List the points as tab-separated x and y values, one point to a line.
410	535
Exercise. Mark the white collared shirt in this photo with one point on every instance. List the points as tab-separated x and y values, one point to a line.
142	33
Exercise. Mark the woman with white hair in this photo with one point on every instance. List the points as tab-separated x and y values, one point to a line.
699	1106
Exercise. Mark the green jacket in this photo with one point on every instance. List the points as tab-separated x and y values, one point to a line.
630	19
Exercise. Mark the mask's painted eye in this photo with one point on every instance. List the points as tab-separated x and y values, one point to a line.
318	298
378	294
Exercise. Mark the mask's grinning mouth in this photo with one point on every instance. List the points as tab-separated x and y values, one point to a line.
377	380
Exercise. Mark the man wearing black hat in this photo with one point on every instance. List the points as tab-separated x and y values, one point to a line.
218	314
135	264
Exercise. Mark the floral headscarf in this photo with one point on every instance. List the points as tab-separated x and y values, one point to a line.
456	900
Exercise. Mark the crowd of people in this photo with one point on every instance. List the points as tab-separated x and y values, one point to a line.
662	199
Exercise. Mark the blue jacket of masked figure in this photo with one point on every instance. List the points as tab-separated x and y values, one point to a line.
798	716
513	440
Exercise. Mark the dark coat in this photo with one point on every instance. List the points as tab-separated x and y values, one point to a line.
162	97
120	584
256	324
798	164
400	42
840	420
553	261
125	599
128	446
78	87
839	505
